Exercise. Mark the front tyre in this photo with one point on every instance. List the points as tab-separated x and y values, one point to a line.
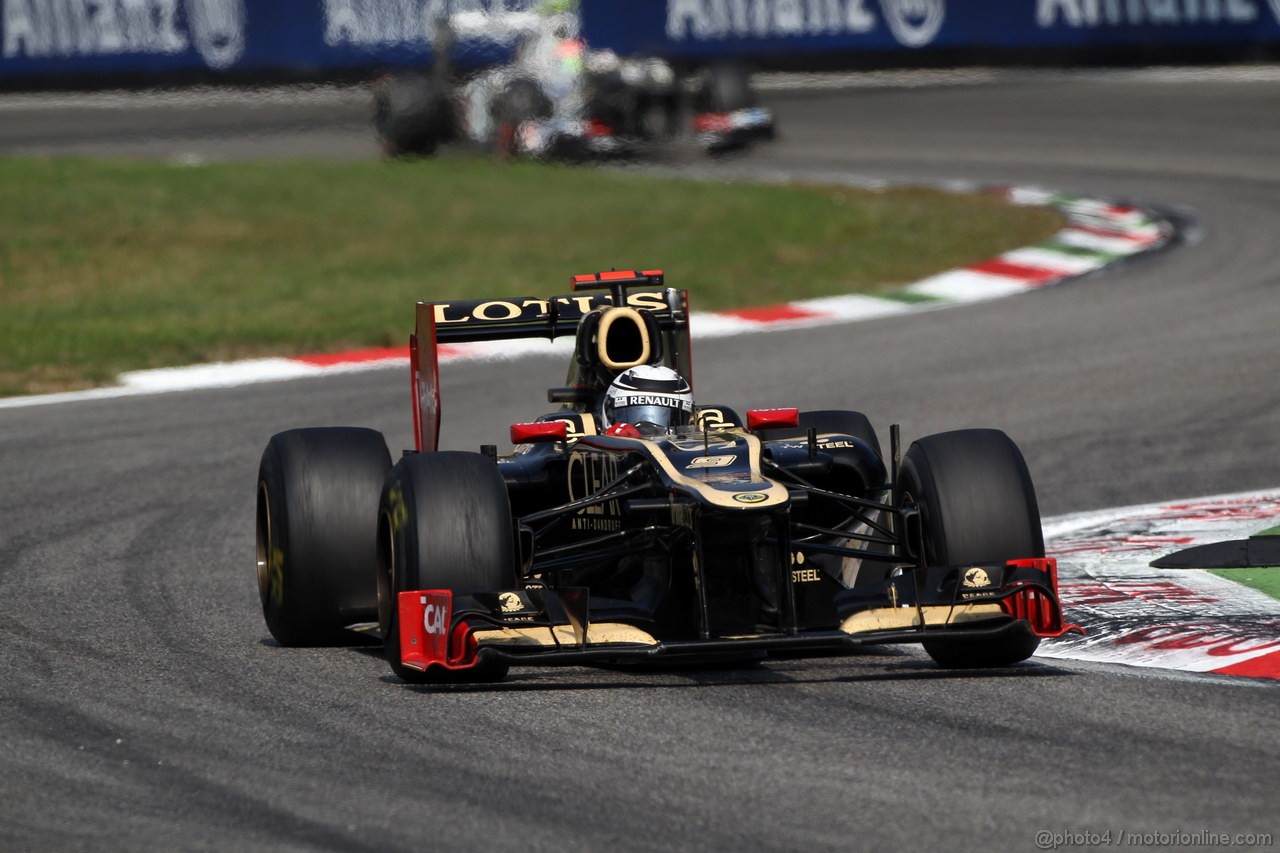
444	522
316	532
522	101
977	505
411	115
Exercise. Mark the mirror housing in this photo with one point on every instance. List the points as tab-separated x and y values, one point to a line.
758	419
540	432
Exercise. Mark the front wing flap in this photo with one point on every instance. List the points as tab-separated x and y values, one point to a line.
737	127
544	627
439	628
951	596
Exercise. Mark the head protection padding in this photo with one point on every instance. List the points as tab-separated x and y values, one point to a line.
618	338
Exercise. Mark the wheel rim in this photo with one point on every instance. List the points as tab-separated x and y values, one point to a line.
386	566
264	543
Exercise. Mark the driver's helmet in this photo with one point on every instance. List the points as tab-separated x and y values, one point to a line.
650	398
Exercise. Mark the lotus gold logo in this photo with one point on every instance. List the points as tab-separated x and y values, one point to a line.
750	497
976	577
510	602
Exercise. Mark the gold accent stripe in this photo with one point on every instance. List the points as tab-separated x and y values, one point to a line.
603	633
774	493
901	618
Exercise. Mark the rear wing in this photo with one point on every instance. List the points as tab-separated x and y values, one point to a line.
464	321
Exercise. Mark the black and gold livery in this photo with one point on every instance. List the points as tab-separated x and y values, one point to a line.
783	530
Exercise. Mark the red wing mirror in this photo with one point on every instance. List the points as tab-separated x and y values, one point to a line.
539	432
772	418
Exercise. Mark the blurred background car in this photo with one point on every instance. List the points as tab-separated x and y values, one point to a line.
558	97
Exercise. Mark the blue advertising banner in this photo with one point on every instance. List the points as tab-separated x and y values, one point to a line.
82	39
706	29
85	37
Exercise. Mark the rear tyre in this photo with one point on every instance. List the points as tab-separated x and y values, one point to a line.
977	504
444	522
316	532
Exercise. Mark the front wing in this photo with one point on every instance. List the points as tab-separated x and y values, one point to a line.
544	627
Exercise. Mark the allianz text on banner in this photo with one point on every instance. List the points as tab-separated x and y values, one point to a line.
215	29
913	23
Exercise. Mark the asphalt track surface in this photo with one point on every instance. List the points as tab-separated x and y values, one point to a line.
145	707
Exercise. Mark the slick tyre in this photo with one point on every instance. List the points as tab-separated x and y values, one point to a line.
317	513
523	100
444	522
977	504
410	115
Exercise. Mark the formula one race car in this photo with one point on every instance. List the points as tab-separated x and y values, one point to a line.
557	98
631	525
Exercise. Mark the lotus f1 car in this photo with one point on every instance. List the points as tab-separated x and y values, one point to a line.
782	531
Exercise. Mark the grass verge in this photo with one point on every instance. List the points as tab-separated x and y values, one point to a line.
110	266
1263	580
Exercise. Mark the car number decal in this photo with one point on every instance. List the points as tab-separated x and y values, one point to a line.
710	461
